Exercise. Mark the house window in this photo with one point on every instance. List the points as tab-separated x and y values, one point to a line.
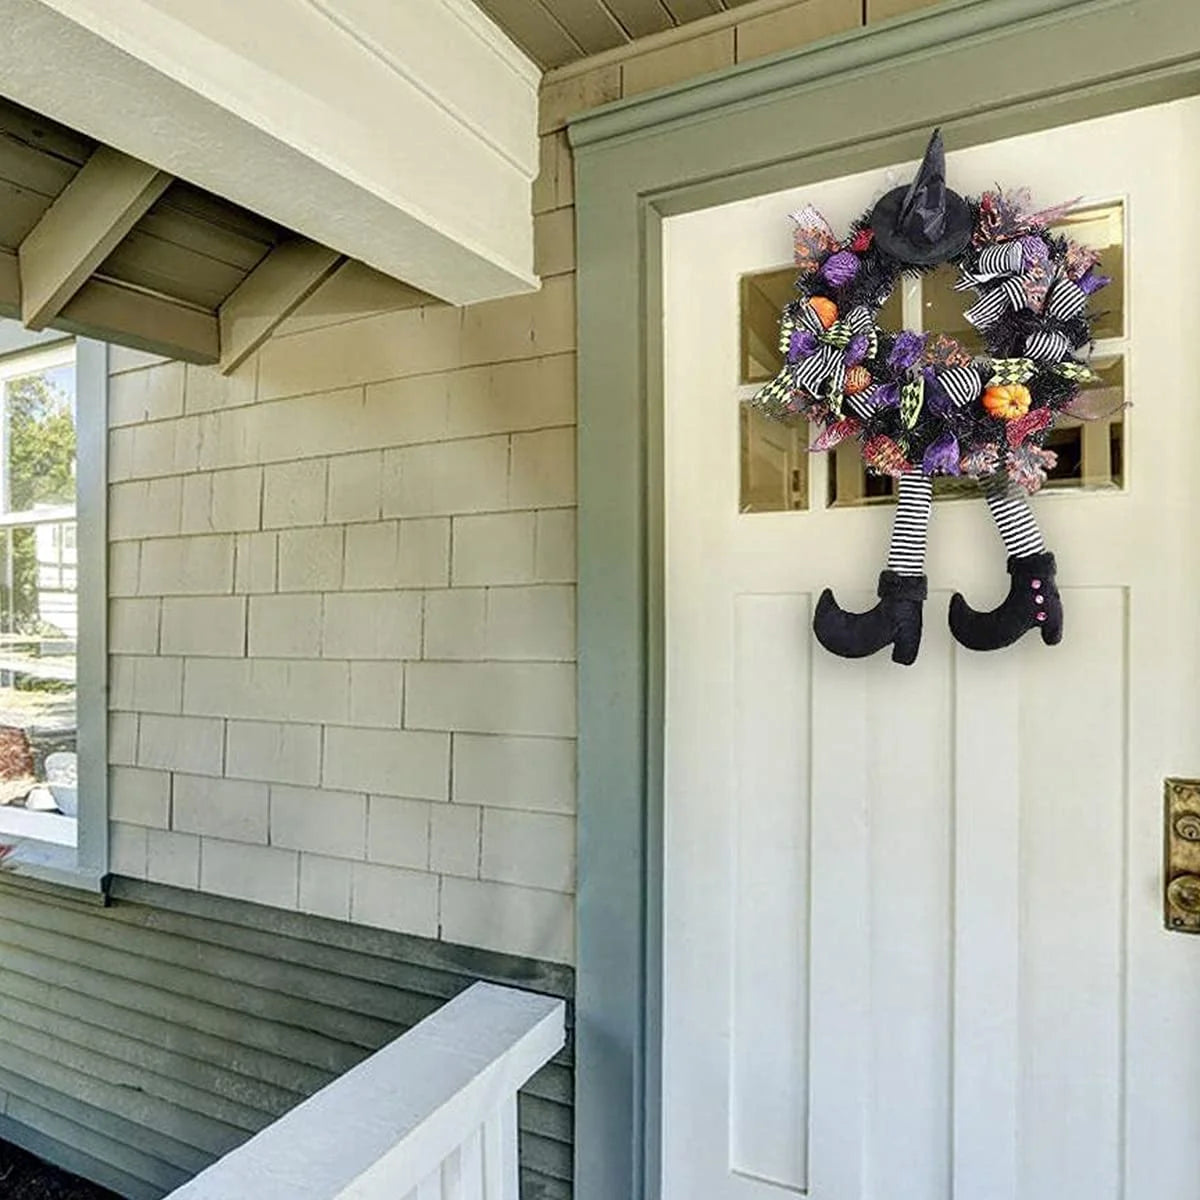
45	532
775	470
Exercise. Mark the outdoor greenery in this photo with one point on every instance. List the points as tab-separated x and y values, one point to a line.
41	470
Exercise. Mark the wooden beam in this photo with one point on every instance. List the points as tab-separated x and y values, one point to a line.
112	312
81	228
269	294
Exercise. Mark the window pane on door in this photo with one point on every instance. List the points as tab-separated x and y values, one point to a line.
1101	228
763	296
773	462
1091	454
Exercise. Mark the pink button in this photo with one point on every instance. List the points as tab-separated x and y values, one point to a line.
1041	616
1037	583
1040	599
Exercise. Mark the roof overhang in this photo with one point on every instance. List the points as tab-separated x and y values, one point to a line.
401	134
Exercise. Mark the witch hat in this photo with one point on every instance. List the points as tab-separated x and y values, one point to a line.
924	223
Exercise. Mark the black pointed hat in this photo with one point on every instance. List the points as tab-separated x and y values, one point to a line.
924	223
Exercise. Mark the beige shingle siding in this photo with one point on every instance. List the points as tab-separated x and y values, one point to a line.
329	569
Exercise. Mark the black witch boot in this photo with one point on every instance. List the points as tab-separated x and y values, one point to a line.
1032	603
895	620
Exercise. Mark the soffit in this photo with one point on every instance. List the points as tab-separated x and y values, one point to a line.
557	32
164	283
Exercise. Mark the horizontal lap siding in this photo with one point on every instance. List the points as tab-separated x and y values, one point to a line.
139	1042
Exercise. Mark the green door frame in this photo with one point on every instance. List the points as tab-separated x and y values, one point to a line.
983	69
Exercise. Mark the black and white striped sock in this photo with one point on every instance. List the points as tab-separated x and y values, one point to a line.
910	525
1014	519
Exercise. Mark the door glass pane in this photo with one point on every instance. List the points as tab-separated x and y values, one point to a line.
1091	454
774	462
1101	228
942	309
763	296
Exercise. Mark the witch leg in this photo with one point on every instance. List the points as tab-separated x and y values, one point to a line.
1033	601
896	619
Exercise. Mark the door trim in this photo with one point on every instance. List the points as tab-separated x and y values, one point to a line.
745	132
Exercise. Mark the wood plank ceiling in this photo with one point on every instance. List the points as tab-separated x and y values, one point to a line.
94	242
556	32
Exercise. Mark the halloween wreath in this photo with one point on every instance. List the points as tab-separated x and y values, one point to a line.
921	405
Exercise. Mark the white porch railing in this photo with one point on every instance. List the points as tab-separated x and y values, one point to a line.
432	1116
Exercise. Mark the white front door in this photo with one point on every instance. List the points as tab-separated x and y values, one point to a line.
914	943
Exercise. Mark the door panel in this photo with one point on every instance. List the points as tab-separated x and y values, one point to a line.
913	932
769	895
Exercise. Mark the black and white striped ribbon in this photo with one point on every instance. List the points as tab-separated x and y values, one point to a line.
997	275
1047	346
1066	300
827	364
859	319
991	306
863	403
962	384
994	262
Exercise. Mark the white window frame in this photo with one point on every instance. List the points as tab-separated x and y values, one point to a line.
83	865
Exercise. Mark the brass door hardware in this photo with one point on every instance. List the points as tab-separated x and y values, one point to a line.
1181	855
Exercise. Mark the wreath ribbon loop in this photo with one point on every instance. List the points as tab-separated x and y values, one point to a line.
1048	346
826	363
962	384
1007	371
999	276
912	400
1066	299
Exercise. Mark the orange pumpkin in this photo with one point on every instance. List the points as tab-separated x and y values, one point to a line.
1007	400
824	308
858	379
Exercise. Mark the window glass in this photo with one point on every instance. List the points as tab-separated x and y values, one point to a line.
763	297
1101	227
38	581
774	462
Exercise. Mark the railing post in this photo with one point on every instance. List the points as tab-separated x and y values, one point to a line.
500	1152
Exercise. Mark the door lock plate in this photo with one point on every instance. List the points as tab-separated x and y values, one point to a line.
1181	855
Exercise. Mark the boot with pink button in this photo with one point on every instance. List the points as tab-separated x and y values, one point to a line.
1032	603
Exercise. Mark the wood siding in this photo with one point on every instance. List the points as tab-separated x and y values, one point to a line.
140	1041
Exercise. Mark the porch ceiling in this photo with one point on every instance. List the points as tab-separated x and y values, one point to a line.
97	243
556	32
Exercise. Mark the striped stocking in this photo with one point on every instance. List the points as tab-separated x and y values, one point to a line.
1014	519
910	525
